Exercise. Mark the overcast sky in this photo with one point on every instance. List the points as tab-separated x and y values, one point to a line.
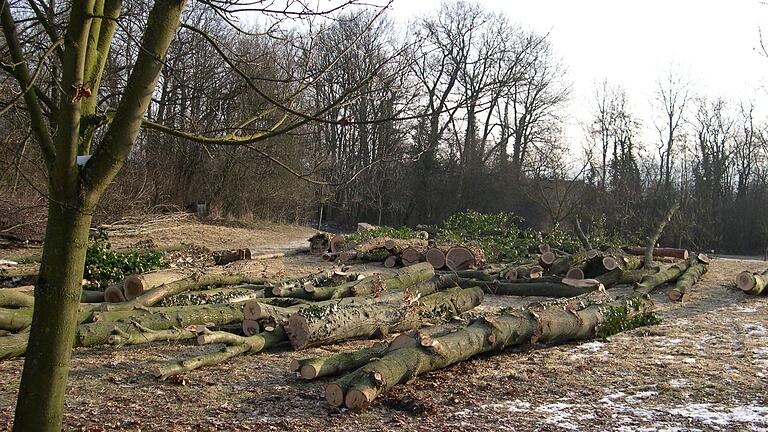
715	44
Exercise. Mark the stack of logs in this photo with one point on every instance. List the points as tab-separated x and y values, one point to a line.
401	252
427	308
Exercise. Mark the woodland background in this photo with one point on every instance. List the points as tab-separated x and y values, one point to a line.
463	109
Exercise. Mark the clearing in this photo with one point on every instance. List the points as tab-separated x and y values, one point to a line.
704	368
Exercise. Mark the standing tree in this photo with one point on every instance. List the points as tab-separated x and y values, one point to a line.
66	123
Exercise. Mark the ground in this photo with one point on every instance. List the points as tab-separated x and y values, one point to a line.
704	368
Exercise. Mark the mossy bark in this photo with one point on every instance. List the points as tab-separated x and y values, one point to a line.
318	367
684	283
332	323
488	334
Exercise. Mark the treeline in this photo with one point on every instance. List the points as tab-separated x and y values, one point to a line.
461	109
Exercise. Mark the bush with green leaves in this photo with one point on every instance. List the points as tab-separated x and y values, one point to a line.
403	233
104	266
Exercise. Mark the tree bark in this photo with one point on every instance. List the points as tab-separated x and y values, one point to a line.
235	346
659	252
556	287
489	334
318	367
136	285
332	323
223	257
653	238
684	283
649	282
752	283
15	299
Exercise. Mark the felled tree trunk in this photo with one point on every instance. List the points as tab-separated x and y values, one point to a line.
330	324
317	367
684	283
659	252
555	287
15	299
15	320
412	256
136	285
460	258
196	280
752	283
619	276
489	334
98	333
235	346
223	257
402	278
436	257
14	345
649	282
319	243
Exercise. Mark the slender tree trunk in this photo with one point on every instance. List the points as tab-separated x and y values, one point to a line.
55	317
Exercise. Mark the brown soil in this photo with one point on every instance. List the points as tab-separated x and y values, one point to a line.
704	368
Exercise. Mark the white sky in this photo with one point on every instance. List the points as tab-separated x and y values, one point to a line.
714	44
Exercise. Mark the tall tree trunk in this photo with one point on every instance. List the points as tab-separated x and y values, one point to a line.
55	317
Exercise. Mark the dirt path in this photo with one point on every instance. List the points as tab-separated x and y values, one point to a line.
703	368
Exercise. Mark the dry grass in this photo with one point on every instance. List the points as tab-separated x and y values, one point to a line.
703	368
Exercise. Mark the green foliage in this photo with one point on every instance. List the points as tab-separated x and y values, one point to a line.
500	237
103	266
617	319
403	233
497	234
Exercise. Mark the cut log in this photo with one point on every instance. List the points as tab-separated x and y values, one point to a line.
114	293
752	283
649	282
330	324
251	327
120	338
90	296
330	256
319	243
460	258
490	334
400	279
223	257
15	320
555	287
547	259
318	367
15	299
436	257
575	273
13	345
600	265
290	252
411	256
391	261
684	283
658	252
337	243
236	345
97	333
539	248
618	276
196	280
424	336
136	285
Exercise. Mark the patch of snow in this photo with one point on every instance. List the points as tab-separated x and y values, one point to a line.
755	330
557	415
592	346
689	360
640	395
678	383
723	416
